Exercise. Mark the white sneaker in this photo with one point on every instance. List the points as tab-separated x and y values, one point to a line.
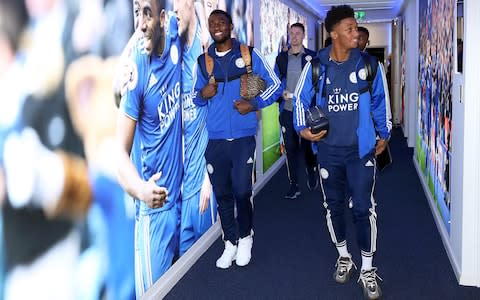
244	253
229	254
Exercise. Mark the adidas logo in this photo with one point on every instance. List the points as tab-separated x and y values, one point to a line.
250	160
369	164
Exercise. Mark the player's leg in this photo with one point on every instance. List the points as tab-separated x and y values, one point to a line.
361	177
332	185
291	141
243	159
156	244
218	167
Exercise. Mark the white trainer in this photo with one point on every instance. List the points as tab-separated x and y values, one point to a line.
229	254
244	252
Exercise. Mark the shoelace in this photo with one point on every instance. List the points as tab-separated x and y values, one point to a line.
344	264
370	277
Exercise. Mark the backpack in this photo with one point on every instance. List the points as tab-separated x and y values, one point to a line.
370	68
246	55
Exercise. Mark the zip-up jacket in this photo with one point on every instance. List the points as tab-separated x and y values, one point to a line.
374	111
281	68
223	120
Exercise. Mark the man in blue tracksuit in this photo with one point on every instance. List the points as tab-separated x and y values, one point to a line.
346	152
288	66
231	125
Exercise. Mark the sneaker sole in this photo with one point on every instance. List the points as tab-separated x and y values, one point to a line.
225	267
293	197
347	277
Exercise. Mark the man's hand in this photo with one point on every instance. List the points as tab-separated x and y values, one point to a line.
205	193
209	90
243	106
307	134
153	195
380	147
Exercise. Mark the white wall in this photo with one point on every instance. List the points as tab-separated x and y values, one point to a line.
380	35
411	71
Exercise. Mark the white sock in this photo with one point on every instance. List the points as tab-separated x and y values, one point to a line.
343	251
367	263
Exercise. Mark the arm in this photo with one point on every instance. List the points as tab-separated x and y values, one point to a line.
148	191
202	89
380	107
273	88
303	95
205	193
129	112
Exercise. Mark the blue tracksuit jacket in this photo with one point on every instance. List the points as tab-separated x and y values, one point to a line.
373	112
223	120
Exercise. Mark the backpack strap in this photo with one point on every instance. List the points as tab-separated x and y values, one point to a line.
315	72
209	68
371	66
247	57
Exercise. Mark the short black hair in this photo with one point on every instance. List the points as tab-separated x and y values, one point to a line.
337	14
299	25
363	29
222	12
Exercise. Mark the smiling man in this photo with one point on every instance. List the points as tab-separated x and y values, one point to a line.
232	126
346	160
150	110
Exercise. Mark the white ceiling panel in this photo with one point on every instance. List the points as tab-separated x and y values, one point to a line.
375	10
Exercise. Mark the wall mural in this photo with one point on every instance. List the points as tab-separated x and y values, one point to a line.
276	18
436	21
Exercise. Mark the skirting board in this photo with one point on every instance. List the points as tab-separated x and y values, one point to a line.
438	221
163	285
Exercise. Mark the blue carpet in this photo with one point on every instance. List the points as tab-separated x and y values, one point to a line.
293	257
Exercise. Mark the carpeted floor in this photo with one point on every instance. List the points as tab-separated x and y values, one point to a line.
293	257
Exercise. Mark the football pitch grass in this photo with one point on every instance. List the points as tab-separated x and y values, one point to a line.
270	136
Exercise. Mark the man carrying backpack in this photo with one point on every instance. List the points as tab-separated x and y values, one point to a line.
232	126
347	150
288	66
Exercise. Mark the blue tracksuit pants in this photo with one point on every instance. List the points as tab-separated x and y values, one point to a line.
230	168
341	169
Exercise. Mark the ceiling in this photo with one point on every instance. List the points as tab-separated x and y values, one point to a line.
375	10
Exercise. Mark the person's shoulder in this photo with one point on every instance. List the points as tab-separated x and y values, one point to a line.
310	52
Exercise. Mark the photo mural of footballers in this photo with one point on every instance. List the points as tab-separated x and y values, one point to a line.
435	99
198	212
276	18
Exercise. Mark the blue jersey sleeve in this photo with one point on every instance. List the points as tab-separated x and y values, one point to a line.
380	105
303	95
133	97
273	85
199	82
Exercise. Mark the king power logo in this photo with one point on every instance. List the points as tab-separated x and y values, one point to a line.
169	106
339	102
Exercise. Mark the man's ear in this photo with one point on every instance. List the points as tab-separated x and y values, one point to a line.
334	35
162	18
231	27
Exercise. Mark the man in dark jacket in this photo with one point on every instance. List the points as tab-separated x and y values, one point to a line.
288	66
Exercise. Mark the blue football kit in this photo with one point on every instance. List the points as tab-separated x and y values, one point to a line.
193	223
153	100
